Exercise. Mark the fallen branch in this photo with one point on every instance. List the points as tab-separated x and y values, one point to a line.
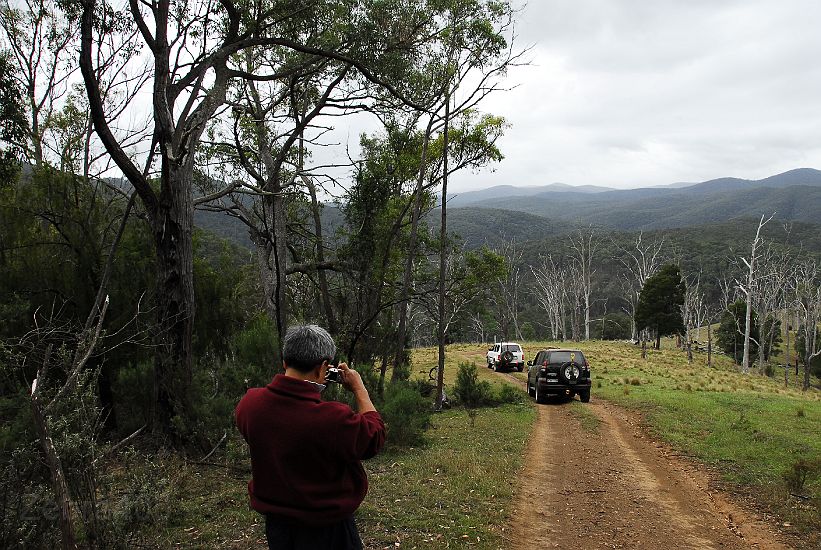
121	443
224	436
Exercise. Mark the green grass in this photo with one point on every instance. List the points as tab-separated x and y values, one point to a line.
457	491
588	419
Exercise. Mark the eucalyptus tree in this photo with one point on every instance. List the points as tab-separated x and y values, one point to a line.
195	51
260	155
41	42
473	52
13	124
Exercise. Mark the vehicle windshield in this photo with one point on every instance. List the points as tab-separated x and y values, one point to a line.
566	356
512	347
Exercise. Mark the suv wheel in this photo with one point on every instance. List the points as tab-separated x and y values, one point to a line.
531	391
570	372
584	396
520	367
540	397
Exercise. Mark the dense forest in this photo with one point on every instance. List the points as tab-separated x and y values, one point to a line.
153	251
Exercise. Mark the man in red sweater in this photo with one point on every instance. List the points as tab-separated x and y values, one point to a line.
306	474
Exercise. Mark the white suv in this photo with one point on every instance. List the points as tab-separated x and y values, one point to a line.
506	355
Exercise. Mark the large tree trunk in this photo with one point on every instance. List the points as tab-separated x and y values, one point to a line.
172	225
324	292
443	263
271	246
407	277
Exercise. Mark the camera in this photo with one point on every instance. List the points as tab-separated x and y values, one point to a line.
333	375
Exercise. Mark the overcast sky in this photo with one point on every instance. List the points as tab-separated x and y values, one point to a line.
631	93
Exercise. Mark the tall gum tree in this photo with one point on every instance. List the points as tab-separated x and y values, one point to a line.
192	48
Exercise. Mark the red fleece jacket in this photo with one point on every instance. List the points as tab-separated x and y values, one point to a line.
305	452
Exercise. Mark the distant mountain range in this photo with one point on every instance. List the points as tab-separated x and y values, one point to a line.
499	213
793	195
799	176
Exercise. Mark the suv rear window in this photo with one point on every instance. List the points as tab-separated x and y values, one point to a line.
564	357
513	348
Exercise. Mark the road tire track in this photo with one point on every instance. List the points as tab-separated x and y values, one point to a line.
619	488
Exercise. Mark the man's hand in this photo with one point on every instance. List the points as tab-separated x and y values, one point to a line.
352	381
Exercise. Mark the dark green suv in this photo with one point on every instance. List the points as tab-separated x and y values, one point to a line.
564	372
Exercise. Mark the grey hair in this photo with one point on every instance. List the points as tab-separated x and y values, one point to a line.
307	346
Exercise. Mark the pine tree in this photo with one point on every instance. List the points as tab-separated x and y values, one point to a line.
660	301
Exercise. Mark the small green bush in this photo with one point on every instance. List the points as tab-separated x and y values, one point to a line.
256	344
470	392
509	394
406	414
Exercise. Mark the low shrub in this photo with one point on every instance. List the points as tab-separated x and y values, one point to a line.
470	392
510	394
406	413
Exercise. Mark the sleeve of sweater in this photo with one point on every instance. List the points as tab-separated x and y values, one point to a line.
239	417
364	435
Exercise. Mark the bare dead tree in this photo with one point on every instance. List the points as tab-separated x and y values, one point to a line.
770	298
551	293
506	300
749	289
640	262
808	305
478	326
693	300
585	244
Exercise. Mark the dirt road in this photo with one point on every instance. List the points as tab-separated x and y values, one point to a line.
616	488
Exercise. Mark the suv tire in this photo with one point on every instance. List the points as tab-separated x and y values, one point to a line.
569	372
584	396
540	397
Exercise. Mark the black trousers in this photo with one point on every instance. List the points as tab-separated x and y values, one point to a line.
283	534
